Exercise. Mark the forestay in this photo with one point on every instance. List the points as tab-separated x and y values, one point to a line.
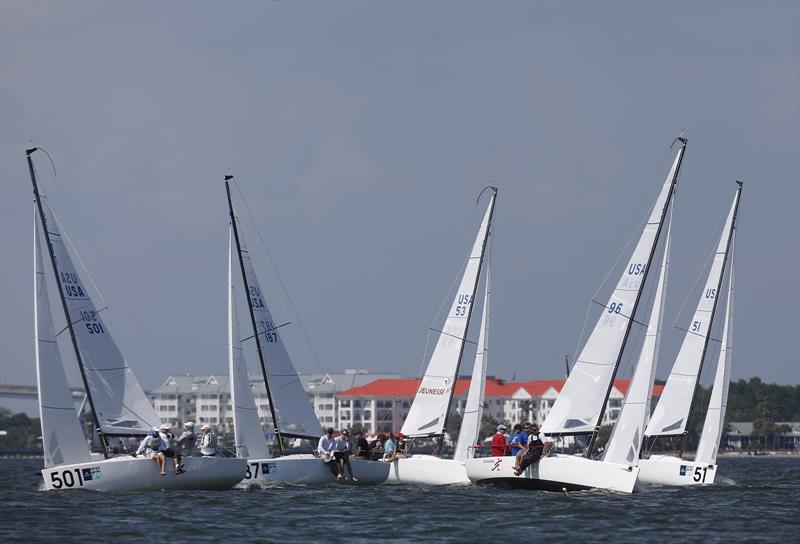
292	407
715	416
626	439
429	410
120	404
63	441
248	434
578	408
672	411
473	410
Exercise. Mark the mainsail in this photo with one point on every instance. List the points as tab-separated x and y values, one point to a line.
626	439
63	441
473	409
669	417
715	416
581	402
292	410
248	435
120	404
431	404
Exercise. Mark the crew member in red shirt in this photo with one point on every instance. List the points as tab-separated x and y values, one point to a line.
499	441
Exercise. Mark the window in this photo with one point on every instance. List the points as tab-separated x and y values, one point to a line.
345	403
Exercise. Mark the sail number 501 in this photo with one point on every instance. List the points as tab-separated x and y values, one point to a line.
66	478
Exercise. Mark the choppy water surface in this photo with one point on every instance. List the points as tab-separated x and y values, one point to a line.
757	500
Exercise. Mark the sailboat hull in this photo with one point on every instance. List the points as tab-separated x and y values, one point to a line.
427	469
554	473
142	474
306	469
668	470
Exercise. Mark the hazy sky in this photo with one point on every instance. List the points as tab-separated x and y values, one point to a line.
361	134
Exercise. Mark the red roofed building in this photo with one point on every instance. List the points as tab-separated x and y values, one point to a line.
382	405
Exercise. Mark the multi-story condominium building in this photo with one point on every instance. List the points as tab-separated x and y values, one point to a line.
206	399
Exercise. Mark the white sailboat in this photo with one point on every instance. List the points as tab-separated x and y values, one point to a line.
580	406
118	405
671	414
292	414
431	406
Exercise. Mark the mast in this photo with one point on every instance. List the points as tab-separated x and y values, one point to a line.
683	141
713	310
472	304
256	334
72	336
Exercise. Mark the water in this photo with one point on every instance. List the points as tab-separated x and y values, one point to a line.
756	500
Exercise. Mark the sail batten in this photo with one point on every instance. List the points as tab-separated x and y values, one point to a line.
428	413
579	407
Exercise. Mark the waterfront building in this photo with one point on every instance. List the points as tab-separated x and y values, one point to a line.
382	405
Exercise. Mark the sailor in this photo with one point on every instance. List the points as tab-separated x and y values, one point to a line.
166	450
343	448
325	449
208	442
539	446
499	441
362	446
401	444
150	446
184	446
390	449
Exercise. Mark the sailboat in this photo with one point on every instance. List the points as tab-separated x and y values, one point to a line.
118	404
429	411
292	414
581	404
671	414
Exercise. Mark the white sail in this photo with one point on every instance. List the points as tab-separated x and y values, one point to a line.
120	404
248	434
432	401
715	416
578	407
63	441
672	411
473	409
292	405
626	439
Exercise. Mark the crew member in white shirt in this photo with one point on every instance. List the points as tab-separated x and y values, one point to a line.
208	442
326	448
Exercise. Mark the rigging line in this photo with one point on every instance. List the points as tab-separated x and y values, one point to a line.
439	311
467	340
280	279
113	278
647	197
709	257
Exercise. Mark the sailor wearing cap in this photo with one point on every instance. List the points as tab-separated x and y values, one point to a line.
184	446
499	441
208	442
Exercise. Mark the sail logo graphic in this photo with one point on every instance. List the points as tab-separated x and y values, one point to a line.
683	470
497	464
